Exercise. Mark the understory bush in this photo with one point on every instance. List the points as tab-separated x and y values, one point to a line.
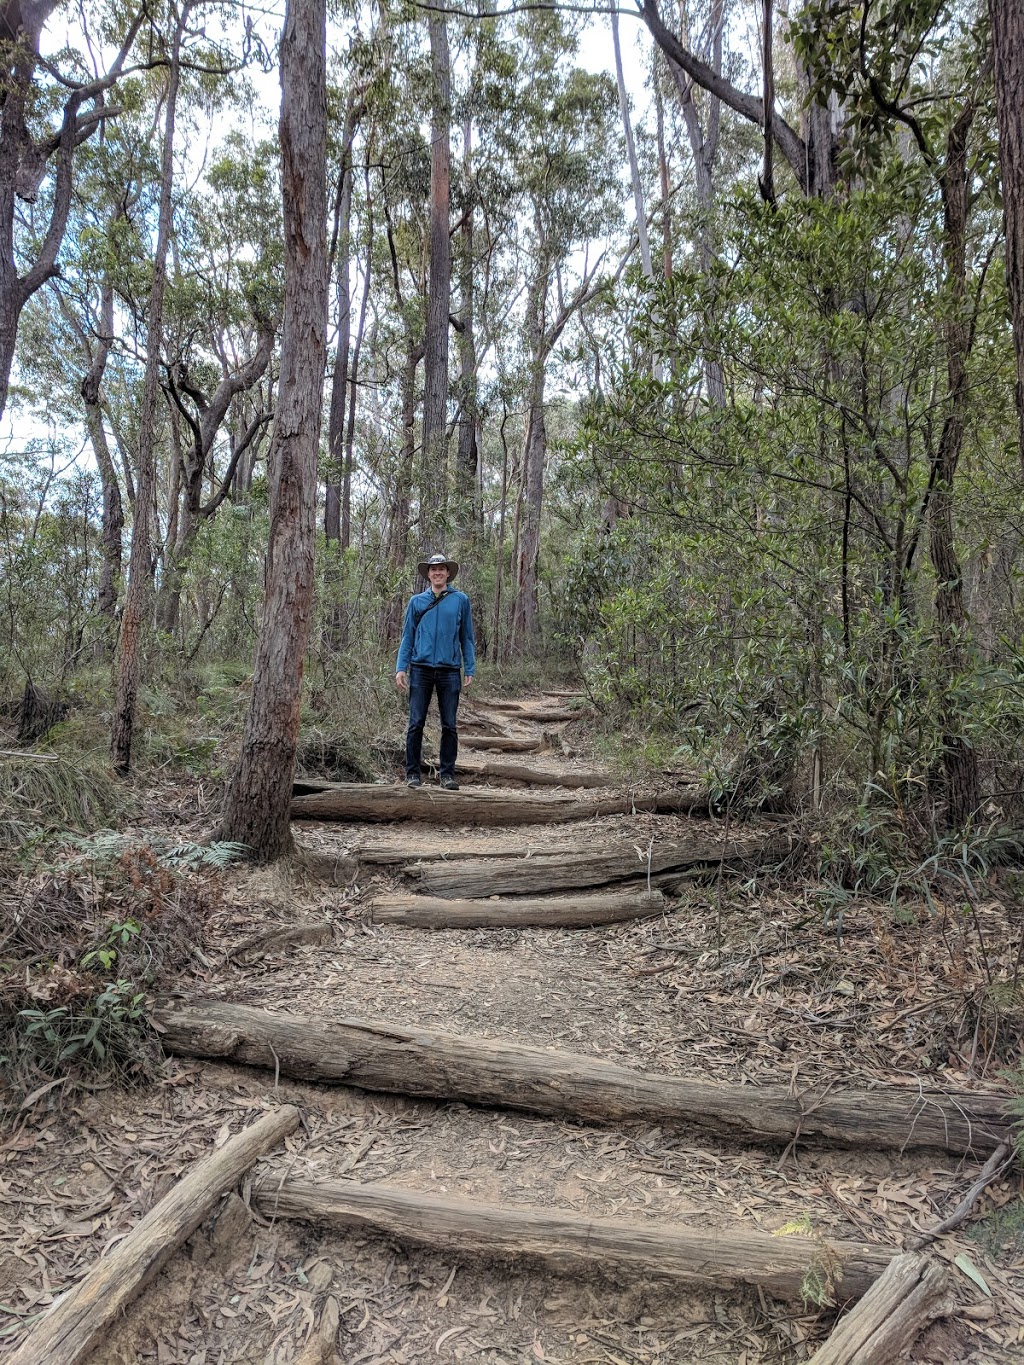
90	926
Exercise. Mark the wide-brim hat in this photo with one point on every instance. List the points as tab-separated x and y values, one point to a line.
434	561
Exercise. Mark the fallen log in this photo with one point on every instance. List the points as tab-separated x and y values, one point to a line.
376	802
463	878
569	1243
911	1292
441	847
506	744
549	912
75	1324
421	1062
484	769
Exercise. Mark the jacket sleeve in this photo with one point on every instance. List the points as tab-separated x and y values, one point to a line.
466	639
405	648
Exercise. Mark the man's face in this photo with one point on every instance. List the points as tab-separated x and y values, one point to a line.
438	576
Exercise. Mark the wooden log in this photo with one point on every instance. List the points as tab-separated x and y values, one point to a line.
573	1244
73	1327
505	744
911	1292
516	710
442	846
463	878
422	1062
378	802
485	769
566	912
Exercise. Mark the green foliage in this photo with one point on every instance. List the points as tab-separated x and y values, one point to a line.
108	1034
764	599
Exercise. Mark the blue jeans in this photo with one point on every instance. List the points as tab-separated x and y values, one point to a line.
423	681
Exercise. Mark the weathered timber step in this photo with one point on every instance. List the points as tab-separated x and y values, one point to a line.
508	744
572	1244
487	768
435	849
913	1291
471	878
377	802
420	1062
550	912
68	1333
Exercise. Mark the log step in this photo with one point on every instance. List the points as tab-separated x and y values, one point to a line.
565	912
571	1244
427	1064
547	872
485	769
372	801
505	744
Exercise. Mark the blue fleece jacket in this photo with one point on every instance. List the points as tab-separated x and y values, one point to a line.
441	637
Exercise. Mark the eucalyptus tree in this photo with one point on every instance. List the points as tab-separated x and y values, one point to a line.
1007	21
223	306
36	147
259	792
570	198
873	67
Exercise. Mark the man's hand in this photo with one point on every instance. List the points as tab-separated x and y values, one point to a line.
468	680
402	681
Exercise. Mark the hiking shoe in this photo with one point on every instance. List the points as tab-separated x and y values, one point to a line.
449	784
414	781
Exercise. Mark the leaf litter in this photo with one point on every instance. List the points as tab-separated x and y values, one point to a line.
743	983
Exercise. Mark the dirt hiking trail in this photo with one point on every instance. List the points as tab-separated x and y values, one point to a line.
569	1085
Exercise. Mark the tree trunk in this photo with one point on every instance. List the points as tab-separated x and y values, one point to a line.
112	524
434	451
257	800
581	1245
353	392
140	568
193	466
343	295
467	457
634	169
1007	18
425	1063
960	760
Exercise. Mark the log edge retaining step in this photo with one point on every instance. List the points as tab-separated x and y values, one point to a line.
571	1243
428	1064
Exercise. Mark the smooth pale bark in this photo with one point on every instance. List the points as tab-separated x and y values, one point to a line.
256	806
1007	19
634	169
96	343
912	1291
434	450
374	801
704	136
467	455
341	255
140	566
423	1062
565	912
574	1244
194	465
78	1321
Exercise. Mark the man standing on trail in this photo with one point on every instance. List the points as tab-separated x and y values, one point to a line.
437	643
